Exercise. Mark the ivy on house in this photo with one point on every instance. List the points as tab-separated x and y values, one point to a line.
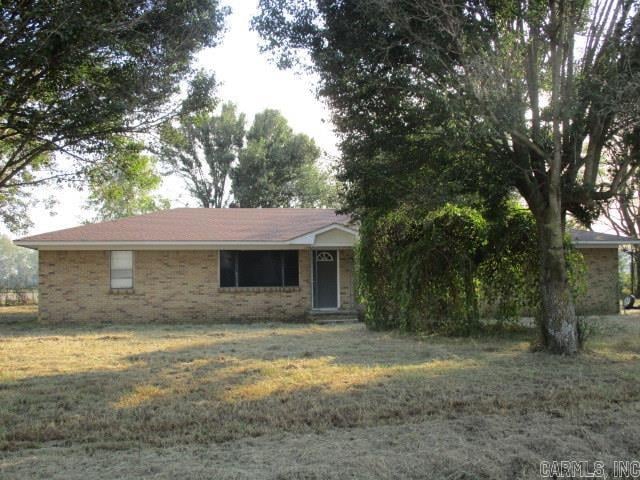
442	270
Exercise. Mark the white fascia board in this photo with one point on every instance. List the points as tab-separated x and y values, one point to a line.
310	237
597	244
331	226
159	245
336	226
325	246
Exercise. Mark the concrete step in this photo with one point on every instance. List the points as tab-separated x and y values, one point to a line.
335	321
332	317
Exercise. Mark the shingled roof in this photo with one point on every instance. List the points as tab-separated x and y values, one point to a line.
234	225
586	237
202	225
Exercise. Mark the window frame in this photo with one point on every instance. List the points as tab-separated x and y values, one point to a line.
236	257
133	271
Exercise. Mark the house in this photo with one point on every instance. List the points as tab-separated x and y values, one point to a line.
600	252
196	264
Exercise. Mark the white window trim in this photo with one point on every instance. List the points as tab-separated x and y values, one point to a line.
133	270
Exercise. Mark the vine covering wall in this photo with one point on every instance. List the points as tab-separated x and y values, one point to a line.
442	270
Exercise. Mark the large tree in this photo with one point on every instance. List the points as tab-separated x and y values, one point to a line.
623	211
125	182
75	72
278	168
202	148
538	91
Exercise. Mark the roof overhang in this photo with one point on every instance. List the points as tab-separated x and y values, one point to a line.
154	245
310	239
603	244
313	238
304	241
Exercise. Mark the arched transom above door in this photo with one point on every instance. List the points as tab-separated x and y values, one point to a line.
324	257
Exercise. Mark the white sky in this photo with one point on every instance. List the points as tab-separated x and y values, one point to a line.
248	79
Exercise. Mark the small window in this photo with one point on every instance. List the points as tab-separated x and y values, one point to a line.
122	269
259	268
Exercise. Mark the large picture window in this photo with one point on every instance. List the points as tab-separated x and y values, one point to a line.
121	269
259	268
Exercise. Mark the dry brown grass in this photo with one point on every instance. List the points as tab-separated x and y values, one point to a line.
304	401
18	313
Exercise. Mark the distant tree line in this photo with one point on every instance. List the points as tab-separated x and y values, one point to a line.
18	266
223	164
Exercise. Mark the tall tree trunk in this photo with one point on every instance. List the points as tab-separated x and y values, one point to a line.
559	322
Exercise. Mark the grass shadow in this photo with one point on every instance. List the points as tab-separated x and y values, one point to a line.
163	385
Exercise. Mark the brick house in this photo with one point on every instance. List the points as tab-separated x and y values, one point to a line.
199	264
196	264
600	252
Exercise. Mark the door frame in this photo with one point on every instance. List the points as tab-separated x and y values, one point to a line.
313	279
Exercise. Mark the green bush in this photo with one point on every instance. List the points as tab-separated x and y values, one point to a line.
441	270
417	269
508	274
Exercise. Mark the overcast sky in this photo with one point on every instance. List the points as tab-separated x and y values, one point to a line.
248	79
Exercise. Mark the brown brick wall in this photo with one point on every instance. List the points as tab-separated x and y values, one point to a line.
169	286
601	296
347	293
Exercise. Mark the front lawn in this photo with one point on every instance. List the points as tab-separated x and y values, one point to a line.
305	401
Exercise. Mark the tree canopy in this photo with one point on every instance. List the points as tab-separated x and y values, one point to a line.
527	96
74	73
202	149
278	168
124	184
267	166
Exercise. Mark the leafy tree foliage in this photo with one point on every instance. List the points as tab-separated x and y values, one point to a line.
418	268
442	269
74	73
14	205
316	188
18	266
124	183
504	84
202	149
278	168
